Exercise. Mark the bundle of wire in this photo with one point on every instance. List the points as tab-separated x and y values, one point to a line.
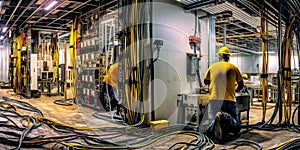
287	145
79	137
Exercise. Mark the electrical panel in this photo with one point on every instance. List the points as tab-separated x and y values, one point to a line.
93	59
192	64
88	67
190	109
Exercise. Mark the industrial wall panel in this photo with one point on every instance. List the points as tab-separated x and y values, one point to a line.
170	76
33	71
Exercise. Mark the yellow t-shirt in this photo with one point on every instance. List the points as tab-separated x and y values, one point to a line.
222	76
112	77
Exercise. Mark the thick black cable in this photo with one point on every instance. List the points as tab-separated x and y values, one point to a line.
64	102
23	140
247	142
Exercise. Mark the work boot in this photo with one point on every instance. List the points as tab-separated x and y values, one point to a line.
217	127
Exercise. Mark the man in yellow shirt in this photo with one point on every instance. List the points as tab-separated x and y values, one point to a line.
110	87
222	108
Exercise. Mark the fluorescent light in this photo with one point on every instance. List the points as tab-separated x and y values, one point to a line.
271	52
51	5
63	35
4	29
1	2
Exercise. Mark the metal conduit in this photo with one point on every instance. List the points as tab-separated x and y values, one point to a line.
69	12
50	12
20	16
12	14
236	13
33	12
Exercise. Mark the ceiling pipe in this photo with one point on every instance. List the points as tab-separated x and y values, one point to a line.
198	5
19	16
236	13
96	9
62	2
291	5
235	32
10	17
69	12
48	27
249	7
250	30
239	36
73	1
33	13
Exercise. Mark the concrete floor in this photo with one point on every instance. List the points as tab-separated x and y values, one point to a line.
81	116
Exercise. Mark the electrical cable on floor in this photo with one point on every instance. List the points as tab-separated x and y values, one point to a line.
64	102
92	141
248	143
290	144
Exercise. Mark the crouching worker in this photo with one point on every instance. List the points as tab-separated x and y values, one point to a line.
109	100
222	108
246	82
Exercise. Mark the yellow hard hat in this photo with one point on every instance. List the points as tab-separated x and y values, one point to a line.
224	50
245	76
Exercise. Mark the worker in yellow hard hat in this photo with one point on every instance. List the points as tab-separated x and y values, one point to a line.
224	51
245	76
221	78
246	79
246	82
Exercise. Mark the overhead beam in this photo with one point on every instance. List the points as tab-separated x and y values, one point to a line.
198	5
69	12
50	28
12	14
33	12
235	32
50	12
35	7
239	36
90	4
94	10
32	1
241	26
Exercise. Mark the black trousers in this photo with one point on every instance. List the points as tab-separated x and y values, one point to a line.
108	97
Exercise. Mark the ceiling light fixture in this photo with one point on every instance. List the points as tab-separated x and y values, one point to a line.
63	35
51	5
1	2
4	29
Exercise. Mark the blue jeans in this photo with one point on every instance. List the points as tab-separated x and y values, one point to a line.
230	122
